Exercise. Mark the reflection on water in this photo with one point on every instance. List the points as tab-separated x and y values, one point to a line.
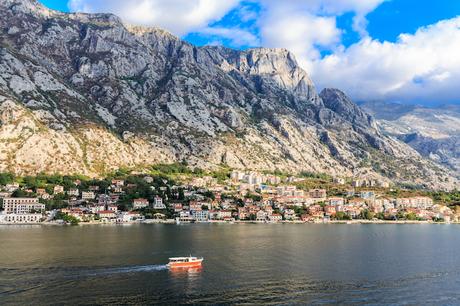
186	272
258	264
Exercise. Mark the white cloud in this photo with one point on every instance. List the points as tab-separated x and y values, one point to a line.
284	9
306	27
237	37
178	16
300	34
421	67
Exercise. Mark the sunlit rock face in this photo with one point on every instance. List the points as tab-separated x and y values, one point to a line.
86	93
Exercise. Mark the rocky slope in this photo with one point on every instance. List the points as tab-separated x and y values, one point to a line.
433	132
86	93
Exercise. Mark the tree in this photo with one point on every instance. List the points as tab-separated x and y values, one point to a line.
340	215
401	215
368	215
181	195
210	195
299	210
19	193
6	178
66	218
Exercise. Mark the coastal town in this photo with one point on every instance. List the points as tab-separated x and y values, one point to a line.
234	196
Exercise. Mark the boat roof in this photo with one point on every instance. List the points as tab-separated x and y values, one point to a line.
179	258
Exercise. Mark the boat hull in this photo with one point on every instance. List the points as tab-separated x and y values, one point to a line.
177	265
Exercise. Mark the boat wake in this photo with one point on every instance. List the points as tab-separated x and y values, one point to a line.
129	269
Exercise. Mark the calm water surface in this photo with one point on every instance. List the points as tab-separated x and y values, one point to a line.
244	264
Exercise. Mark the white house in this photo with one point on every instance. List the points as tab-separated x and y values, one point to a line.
140	203
74	192
88	195
158	203
58	189
130	216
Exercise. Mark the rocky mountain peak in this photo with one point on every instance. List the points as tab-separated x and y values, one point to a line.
86	93
337	101
27	7
280	66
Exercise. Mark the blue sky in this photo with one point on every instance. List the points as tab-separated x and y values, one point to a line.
372	49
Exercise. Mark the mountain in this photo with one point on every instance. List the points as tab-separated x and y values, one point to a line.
433	131
87	93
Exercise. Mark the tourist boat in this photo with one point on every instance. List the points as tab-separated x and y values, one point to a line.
185	262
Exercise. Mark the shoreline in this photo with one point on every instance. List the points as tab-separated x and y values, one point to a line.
173	222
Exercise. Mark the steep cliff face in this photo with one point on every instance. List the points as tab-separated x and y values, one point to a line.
433	132
86	93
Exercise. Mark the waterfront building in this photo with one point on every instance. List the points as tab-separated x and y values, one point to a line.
107	215
243	213
261	215
22	205
130	216
289	214
224	214
184	216
275	217
200	215
21	218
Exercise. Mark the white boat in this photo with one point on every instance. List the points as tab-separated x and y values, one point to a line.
185	262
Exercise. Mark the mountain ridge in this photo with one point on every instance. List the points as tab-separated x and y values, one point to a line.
94	94
433	131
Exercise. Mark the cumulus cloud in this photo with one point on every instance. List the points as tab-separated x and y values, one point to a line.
301	34
284	9
306	27
178	16
237	36
423	66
